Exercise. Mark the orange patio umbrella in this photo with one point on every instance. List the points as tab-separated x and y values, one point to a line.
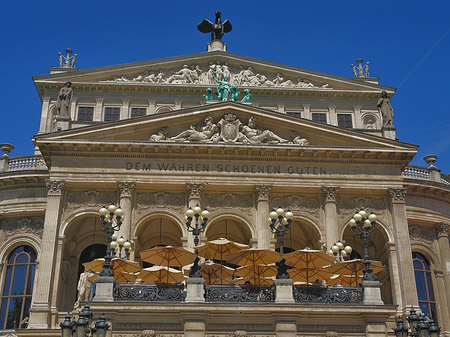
261	270
158	273
303	274
354	268
118	265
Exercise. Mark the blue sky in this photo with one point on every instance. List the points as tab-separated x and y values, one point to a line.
406	42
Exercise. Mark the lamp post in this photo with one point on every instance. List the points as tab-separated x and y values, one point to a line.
111	219
280	224
419	326
340	252
122	244
81	327
363	225
198	228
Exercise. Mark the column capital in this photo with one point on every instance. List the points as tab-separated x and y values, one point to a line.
54	187
194	190
397	195
126	188
330	193
262	192
99	100
46	99
442	229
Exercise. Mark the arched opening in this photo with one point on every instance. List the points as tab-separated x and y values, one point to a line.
377	251
302	235
232	229
84	241
424	285
18	287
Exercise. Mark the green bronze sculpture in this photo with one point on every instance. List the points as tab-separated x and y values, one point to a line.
247	96
234	94
223	89
209	95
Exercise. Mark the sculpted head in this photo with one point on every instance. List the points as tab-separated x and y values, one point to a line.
208	120
384	94
225	79
68	84
251	121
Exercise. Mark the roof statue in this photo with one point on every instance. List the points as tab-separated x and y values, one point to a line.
67	61
217	28
360	70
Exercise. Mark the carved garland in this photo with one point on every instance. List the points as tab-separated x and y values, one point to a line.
88	199
298	204
426	235
347	207
13	227
159	200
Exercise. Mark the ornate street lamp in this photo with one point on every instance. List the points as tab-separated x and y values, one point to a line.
363	225
340	252
420	326
122	244
280	224
198	228
111	219
81	327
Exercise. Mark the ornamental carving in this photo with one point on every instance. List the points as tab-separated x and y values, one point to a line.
159	200
298	204
397	194
228	130
54	187
194	190
442	229
262	192
203	75
126	188
88	199
330	193
12	227
347	207
239	333
243	202
426	235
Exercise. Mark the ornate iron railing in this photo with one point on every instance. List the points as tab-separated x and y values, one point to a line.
149	292
327	294
223	293
26	163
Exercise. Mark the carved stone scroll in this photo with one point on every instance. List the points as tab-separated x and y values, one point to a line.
12	227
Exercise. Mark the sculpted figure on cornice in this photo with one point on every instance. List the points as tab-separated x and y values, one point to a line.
13	227
83	199
158	200
197	74
228	130
426	235
297	204
243	202
347	206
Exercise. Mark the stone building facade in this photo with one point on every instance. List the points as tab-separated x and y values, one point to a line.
143	136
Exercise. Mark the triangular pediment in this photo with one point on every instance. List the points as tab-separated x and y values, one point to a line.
223	126
196	71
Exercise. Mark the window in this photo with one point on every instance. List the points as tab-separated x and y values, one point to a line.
297	114
112	114
18	288
422	273
85	113
345	121
320	117
138	112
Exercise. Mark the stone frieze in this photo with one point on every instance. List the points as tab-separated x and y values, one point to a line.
347	206
159	200
297	204
426	235
12	227
91	198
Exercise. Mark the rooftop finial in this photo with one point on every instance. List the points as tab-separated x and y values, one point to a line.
67	61
360	70
217	29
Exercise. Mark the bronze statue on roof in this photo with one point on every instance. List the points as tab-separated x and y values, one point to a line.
217	28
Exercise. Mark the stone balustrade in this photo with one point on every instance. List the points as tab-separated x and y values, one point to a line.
22	163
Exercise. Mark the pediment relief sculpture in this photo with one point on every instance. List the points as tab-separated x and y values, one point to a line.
228	130
197	74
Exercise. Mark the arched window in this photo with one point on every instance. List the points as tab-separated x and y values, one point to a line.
18	287
424	285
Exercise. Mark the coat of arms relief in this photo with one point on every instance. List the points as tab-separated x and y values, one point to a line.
228	130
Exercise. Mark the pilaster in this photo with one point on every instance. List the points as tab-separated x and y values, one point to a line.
125	111
403	247
126	191
358	119
44	115
442	231
98	110
151	107
73	108
331	216
307	111
40	307
332	113
262	214
394	276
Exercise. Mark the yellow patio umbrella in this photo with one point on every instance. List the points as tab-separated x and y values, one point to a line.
158	273
303	274
119	277
261	270
213	272
354	268
168	256
118	265
253	257
308	259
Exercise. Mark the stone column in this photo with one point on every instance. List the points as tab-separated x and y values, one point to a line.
444	252
44	115
98	110
194	196
262	214
73	108
40	307
177	105
394	276
281	108
126	190
440	293
151	107
407	280
56	281
124	112
331	219
358	120
307	111
333	115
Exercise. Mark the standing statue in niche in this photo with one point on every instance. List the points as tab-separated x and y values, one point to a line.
85	291
64	99
386	109
217	28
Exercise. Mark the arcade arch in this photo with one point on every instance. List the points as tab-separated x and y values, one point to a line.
231	228
303	234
